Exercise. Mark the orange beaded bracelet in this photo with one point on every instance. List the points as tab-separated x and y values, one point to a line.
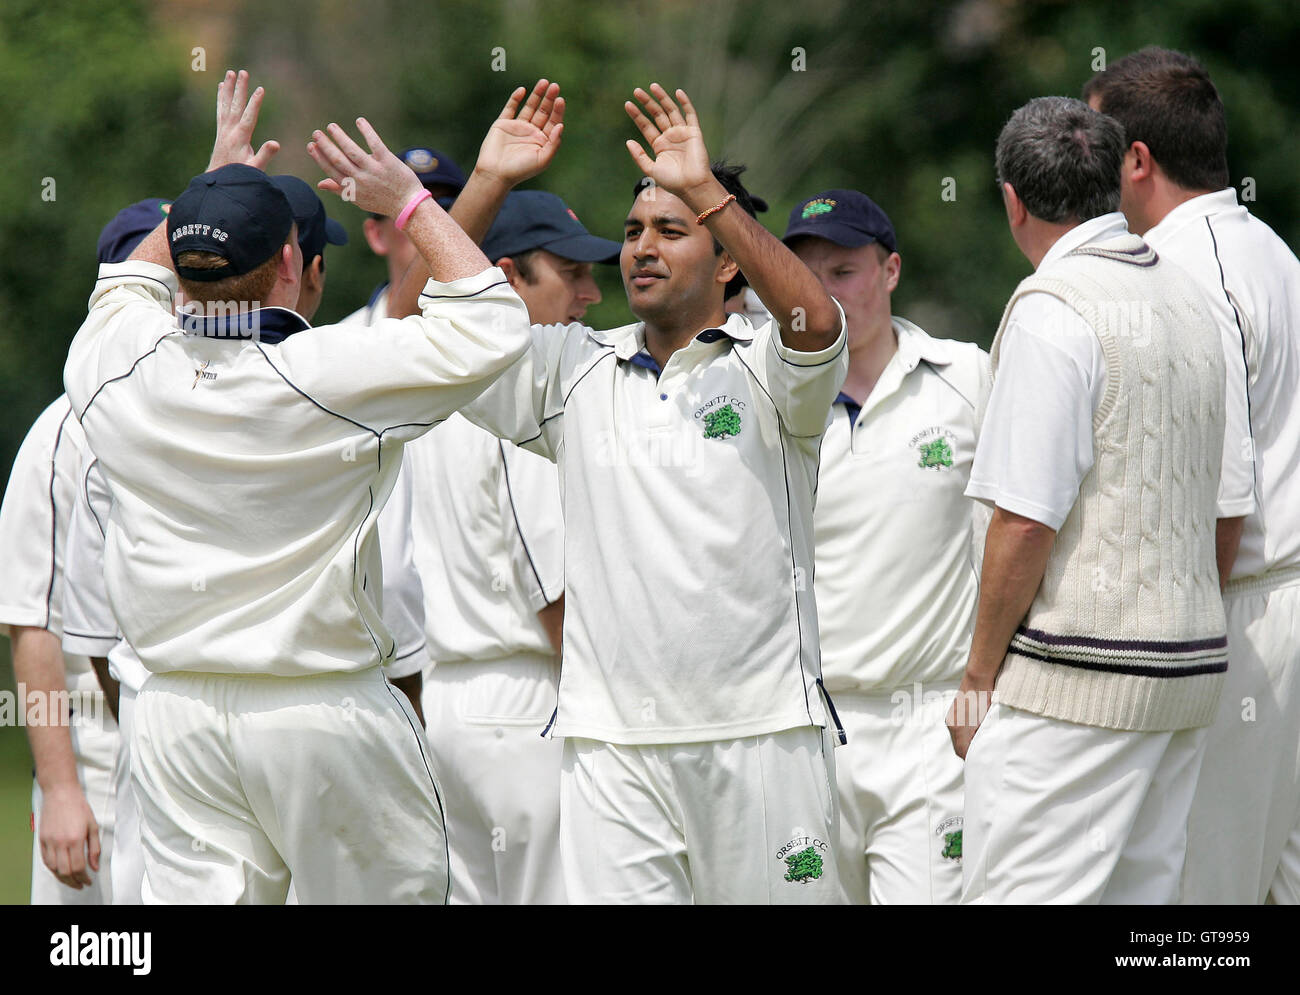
714	210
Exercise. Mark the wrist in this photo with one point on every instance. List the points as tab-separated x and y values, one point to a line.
702	196
490	182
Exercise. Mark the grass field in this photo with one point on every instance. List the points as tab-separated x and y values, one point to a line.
15	802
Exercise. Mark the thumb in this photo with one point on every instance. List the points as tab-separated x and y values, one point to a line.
640	158
265	154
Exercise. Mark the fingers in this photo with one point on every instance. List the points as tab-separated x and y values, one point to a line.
661	95
544	110
534	101
327	156
354	152
92	847
265	154
224	90
329	186
371	136
556	119
240	96
653	107
248	118
643	123
688	109
512	105
552	142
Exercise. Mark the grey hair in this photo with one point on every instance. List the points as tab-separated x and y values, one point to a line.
1063	159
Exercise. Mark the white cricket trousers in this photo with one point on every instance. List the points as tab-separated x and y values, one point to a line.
1061	813
737	821
95	742
900	795
1243	842
246	781
499	777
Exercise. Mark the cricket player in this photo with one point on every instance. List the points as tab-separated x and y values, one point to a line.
444	180
1244	834
247	457
896	579
73	738
696	763
1099	616
489	543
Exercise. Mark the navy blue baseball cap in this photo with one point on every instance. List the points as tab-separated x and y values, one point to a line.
129	228
315	227
845	217
534	219
433	168
235	212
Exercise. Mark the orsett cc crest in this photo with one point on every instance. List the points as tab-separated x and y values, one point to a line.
934	448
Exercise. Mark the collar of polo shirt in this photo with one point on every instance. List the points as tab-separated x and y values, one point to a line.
271	325
915	345
628	340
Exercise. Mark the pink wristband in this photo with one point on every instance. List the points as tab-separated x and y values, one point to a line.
410	207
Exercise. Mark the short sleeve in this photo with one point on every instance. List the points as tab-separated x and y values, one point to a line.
804	385
1036	440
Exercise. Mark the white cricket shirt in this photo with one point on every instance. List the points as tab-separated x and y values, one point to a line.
1252	281
489	542
897	539
688	500
34	529
248	460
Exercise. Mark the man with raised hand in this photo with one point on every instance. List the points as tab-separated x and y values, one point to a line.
1099	617
1244	833
696	764
896	578
247	457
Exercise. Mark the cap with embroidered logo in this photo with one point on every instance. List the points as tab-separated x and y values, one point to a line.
845	217
235	212
129	227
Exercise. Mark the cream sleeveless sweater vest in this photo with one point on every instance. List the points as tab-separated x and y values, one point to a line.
1127	629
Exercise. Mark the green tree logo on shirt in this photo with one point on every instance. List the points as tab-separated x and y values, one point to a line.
722	424
936	454
804	866
952	845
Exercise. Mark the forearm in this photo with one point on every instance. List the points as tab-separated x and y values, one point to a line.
807	316
1015	557
39	672
1227	542
154	248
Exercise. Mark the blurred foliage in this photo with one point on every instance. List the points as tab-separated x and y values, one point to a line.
892	98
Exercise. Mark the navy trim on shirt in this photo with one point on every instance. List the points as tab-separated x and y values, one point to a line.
271	325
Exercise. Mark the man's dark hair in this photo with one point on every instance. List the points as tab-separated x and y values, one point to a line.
1166	100
1063	159
728	174
524	264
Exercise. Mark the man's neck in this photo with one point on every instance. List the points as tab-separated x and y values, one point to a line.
661	341
868	359
1165	196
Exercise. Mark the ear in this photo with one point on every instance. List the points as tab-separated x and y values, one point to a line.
286	272
314	275
507	266
893	268
727	268
1017	213
1138	163
375	236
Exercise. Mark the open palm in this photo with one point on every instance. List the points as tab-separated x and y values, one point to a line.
523	140
681	160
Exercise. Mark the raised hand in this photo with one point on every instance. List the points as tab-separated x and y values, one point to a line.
523	140
377	180
236	119
681	161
